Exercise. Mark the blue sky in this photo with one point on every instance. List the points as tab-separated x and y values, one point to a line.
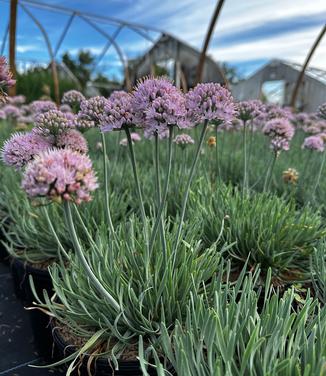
247	35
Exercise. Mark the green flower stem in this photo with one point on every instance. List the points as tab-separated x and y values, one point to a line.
80	254
269	172
106	186
190	178
319	174
45	210
158	190
165	192
139	192
217	162
245	177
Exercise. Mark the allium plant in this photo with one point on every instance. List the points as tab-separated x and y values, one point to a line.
158	104
12	112
244	331
280	131
60	175
133	295
38	107
247	111
6	79
22	148
52	122
72	139
73	99
118	111
313	143
267	230
183	140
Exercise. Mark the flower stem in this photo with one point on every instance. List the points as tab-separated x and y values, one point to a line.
269	172
217	163
106	186
79	252
165	192
158	189
245	177
139	192
319	174
190	178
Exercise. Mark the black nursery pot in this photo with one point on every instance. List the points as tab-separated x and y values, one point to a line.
99	367
39	320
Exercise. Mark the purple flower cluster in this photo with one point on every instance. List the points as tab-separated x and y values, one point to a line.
313	143
72	139
118	111
5	77
38	107
52	122
21	148
134	138
281	131
73	98
183	140
11	111
91	112
249	110
211	102
60	175
157	104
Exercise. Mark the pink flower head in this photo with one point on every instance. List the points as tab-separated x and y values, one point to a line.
183	140
158	104
274	111
279	143
3	115
210	101
12	112
73	98
5	77
91	112
72	139
313	143
60	175
17	100
279	127
249	110
118	111
135	137
38	107
52	122
21	148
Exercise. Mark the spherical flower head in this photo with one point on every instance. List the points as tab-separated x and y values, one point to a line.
17	100
38	107
279	127
249	110
183	140
118	111
21	148
73	140
274	111
279	143
52	122
12	112
73	98
290	176
60	175
157	104
321	112
91	112
211	141
6	79
313	143
210	102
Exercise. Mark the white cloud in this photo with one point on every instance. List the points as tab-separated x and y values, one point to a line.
22	48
